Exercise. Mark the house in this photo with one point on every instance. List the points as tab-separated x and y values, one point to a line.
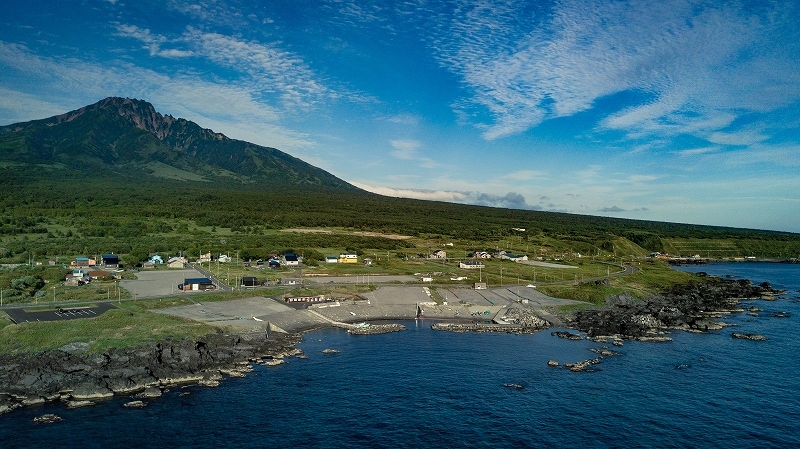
110	260
291	260
77	277
331	259
155	260
176	262
197	284
512	257
367	261
205	257
471	264
224	258
348	258
481	255
83	262
250	281
290	281
274	263
97	274
438	254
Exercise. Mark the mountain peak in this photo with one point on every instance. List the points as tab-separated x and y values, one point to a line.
123	134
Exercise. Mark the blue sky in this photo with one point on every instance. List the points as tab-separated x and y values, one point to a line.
669	110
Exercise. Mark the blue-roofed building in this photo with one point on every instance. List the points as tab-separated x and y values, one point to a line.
110	260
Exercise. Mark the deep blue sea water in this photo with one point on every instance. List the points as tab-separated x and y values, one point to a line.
423	388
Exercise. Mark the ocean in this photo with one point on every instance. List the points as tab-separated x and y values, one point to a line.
424	388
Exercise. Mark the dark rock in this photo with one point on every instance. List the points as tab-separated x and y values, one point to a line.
77	377
135	404
47	419
567	335
755	337
686	307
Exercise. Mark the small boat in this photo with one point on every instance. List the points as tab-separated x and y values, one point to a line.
517	386
257	319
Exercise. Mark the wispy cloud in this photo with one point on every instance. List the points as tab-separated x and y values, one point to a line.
152	42
511	200
405	149
234	110
698	64
420	194
524	175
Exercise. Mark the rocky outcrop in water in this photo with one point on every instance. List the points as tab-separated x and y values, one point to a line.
693	306
374	329
78	377
755	337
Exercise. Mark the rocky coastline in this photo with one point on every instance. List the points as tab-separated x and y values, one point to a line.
694	307
78	378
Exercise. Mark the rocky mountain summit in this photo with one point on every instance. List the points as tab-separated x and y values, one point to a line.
128	137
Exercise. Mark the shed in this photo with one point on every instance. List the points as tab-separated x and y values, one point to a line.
250	281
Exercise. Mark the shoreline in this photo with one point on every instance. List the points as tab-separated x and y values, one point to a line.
72	375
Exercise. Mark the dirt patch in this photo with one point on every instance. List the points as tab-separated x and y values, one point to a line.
364	233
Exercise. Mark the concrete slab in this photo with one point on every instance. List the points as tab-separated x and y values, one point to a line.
399	294
159	283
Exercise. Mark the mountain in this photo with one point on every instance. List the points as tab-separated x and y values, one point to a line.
123	137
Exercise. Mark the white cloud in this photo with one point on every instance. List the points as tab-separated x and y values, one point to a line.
524	175
700	63
642	178
234	110
744	137
420	194
405	149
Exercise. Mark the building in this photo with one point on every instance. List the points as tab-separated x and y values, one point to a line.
290	281
472	264
197	284
250	281
367	261
481	255
205	257
83	262
331	259
438	254
348	258
316	298
77	277
97	274
110	260
480	286
224	258
155	260
291	260
513	257
176	262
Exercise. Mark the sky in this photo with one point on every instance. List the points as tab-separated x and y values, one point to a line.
671	110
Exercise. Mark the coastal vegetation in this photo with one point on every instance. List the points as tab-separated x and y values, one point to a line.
118	177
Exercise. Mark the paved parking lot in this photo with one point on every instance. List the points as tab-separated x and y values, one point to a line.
154	284
67	313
